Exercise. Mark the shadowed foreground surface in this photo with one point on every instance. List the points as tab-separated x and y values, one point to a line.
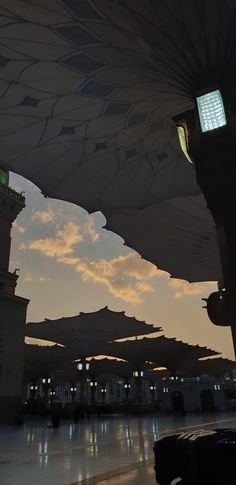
93	451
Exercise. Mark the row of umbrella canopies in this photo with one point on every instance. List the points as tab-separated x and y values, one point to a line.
112	334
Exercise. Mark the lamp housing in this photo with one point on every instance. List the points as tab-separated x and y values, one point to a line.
207	132
211	111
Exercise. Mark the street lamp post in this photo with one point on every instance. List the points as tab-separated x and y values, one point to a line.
208	137
93	388
33	390
73	390
46	383
83	368
138	375
52	394
103	392
152	388
127	387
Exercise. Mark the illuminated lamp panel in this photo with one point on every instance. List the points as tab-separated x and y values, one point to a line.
211	111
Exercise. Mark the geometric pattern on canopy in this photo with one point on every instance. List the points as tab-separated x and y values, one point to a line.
88	90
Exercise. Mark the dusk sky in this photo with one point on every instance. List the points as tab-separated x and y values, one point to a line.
70	264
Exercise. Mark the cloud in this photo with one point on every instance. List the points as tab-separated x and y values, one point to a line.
125	276
63	244
44	217
22	246
18	227
145	287
185	289
48	216
89	230
29	278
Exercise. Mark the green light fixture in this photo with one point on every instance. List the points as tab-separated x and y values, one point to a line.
4	177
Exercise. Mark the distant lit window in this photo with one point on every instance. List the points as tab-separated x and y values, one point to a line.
211	111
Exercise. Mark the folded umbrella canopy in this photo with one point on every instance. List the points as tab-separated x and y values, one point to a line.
177	235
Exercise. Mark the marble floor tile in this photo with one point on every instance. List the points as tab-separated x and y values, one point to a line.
35	455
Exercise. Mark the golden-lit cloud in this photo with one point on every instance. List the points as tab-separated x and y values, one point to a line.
56	219
64	242
125	276
145	287
89	230
44	217
18	227
183	288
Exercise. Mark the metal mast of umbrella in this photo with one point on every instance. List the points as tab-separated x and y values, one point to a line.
208	135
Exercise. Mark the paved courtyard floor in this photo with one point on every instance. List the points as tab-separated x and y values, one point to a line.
105	451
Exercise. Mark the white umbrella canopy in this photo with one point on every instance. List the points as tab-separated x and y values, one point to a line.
88	89
187	247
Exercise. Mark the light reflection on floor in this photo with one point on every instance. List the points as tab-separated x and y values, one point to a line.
72	453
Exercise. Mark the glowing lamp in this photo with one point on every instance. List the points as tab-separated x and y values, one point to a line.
93	384
207	136
138	373
211	111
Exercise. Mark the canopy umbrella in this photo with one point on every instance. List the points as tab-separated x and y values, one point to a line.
98	369
187	247
88	334
88	91
159	351
41	360
216	367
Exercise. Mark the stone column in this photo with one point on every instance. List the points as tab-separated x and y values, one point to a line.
12	313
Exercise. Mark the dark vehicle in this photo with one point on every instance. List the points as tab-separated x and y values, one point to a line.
205	457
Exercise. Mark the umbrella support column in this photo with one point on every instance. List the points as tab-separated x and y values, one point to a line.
220	191
211	146
227	244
